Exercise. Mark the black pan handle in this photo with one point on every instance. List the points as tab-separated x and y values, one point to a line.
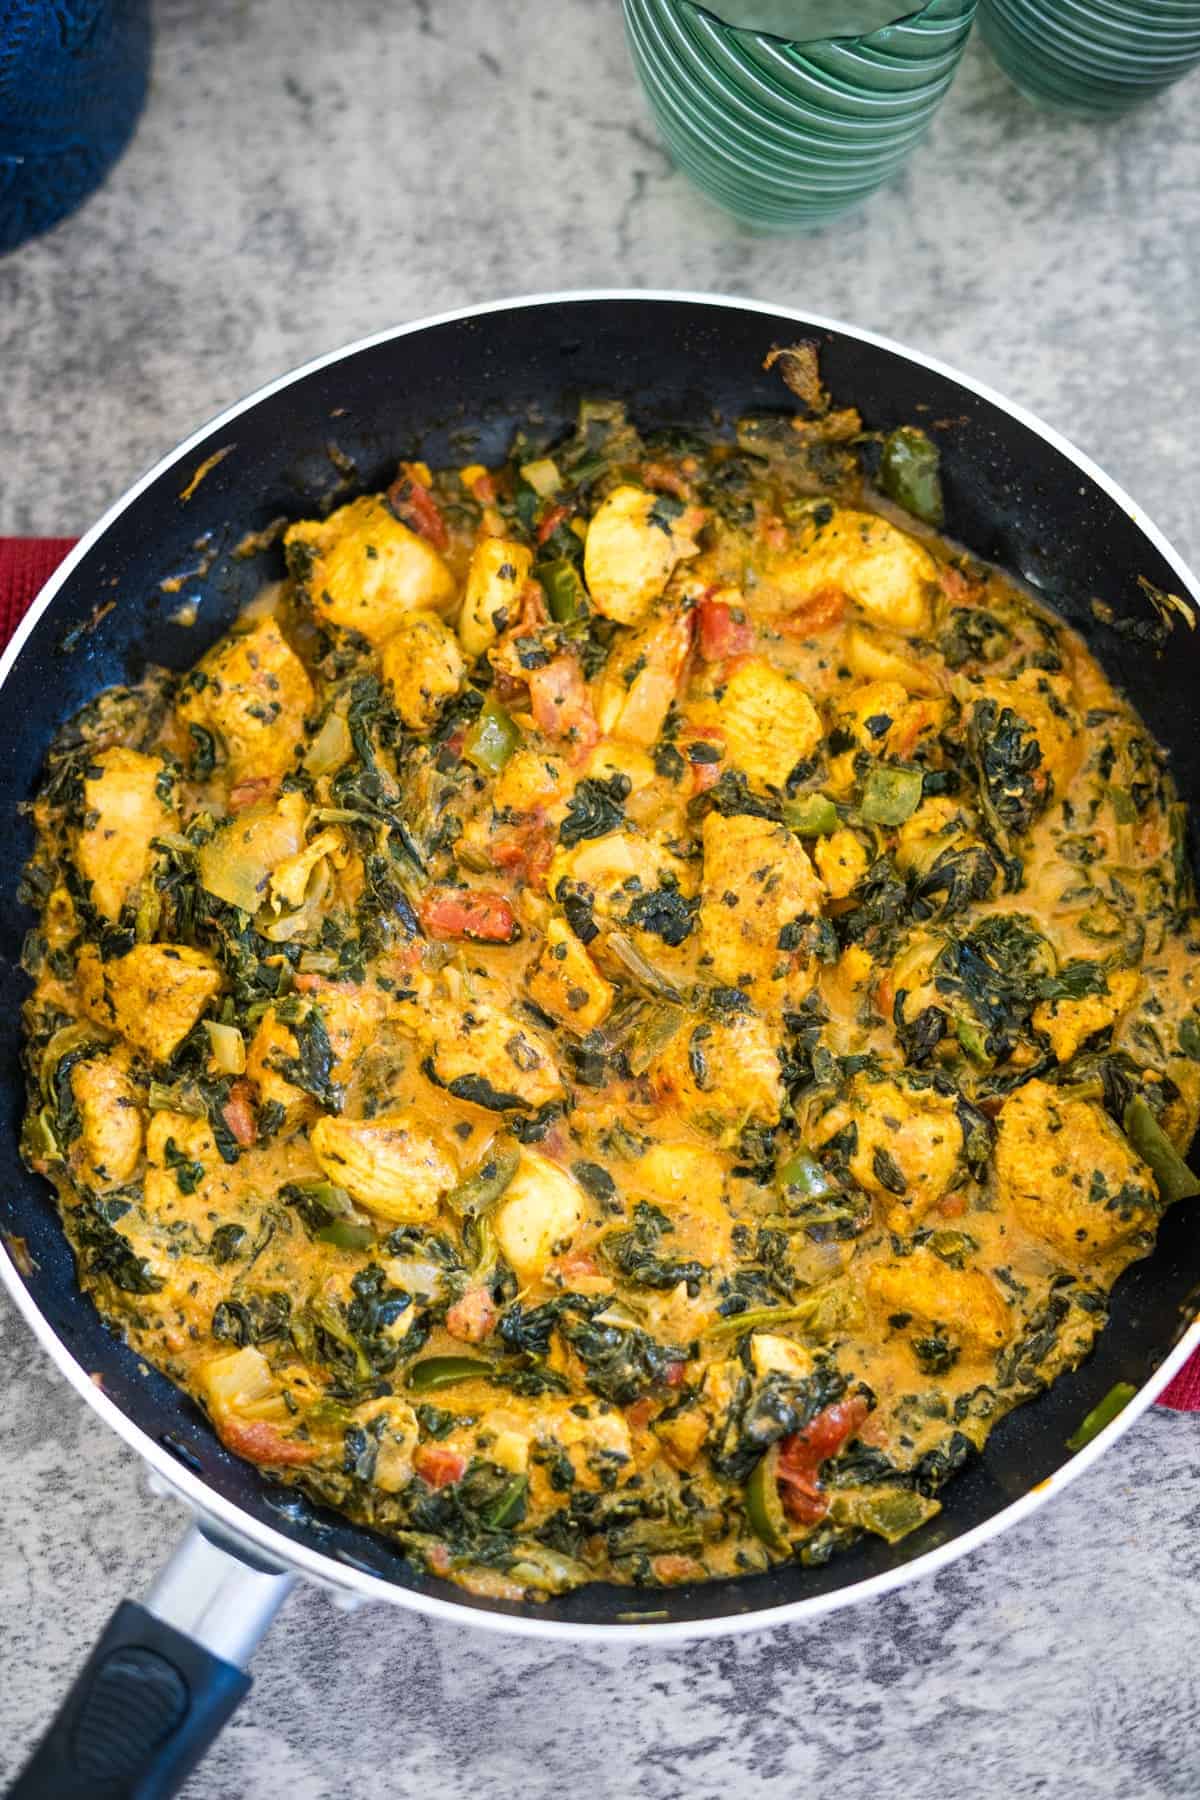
161	1682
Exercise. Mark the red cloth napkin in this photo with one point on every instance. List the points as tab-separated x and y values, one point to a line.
27	563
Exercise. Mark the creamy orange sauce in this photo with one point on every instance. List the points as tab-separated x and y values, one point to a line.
633	1007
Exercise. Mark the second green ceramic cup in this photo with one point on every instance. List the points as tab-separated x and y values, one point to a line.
787	135
1092	56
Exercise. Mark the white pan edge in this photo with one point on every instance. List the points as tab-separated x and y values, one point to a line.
327	1570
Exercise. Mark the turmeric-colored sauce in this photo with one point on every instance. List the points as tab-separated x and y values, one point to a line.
631	1008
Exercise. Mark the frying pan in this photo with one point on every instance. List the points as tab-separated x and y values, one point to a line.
169	1671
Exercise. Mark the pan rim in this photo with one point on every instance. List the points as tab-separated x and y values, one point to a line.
315	1564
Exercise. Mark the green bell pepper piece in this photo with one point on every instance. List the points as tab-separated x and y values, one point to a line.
562	587
1102	1414
1172	1176
910	474
764	1508
445	1371
891	795
812	815
492	738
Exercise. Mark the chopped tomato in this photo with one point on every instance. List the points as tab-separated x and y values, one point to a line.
671	1569
250	792
801	1456
639	1415
526	848
578	1264
238	1114
532	610
471	1318
722	632
674	1373
438	1558
954	584
438	1466
550	521
562	706
953	1206
484	489
919	716
704	776
469	913
415	506
819	613
261	1442
666	479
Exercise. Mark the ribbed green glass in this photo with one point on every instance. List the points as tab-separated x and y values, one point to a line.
786	136
1092	56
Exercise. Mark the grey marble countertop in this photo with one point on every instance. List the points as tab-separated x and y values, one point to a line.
307	173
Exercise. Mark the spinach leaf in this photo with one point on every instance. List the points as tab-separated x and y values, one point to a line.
636	1253
594	809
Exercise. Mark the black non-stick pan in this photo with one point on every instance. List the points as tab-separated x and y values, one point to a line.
452	389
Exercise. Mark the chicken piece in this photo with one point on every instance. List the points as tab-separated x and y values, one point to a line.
609	759
841	863
109	1146
760	899
876	656
511	821
1071	1177
272	1048
641	679
392	1426
151	996
767	720
252	692
499	570
688	1182
565	982
722	1073
482	1054
682	1437
596	1440
126	803
634	540
882	719
940	845
937	825
389	1164
1069	1023
529	780
1026	739
908	1143
617	868
365	571
181	1152
884	571
422	662
542	1209
922	1296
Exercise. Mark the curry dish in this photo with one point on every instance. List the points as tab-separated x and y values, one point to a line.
626	1013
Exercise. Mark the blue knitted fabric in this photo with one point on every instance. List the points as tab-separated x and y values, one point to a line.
73	79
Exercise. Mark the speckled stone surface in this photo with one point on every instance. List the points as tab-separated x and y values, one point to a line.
307	173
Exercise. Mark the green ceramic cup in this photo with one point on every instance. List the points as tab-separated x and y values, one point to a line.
788	135
1092	56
